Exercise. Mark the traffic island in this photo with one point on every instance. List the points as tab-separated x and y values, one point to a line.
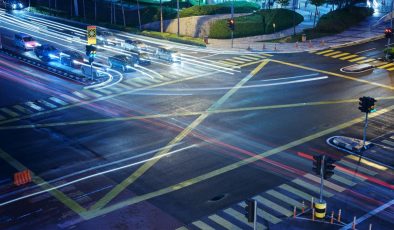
358	68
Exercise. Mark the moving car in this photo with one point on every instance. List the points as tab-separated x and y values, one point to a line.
134	45
168	54
107	38
25	42
71	58
12	4
141	58
123	62
47	52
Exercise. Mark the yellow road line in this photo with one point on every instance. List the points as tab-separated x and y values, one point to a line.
334	74
44	185
241	59
155	116
332	53
348	57
231	167
385	66
340	55
357	59
324	51
141	170
366	162
365	61
379	63
235	61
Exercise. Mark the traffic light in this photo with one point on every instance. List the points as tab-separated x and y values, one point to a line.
231	23
317	164
249	210
367	104
91	51
388	32
328	169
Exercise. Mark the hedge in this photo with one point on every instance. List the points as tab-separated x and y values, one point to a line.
174	38
222	8
339	20
257	23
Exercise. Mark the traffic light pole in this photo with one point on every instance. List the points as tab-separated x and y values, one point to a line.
321	178
255	215
365	128
232	17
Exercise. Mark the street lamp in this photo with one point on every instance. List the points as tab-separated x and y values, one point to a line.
177	10
273	25
161	17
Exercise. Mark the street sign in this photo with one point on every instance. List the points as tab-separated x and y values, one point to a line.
92	31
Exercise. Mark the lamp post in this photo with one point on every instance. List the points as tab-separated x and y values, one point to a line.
177	11
161	17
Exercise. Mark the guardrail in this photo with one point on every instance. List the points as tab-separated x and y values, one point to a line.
80	78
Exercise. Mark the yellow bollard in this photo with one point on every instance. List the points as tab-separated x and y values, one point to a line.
320	209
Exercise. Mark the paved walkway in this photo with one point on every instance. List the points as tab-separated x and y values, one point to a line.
366	30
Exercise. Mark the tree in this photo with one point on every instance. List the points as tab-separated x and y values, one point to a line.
316	3
283	2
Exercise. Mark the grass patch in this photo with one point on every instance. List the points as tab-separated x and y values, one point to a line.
258	23
175	38
222	8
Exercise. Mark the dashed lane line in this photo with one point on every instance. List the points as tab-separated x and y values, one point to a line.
231	167
335	74
155	116
141	170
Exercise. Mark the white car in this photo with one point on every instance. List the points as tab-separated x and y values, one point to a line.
108	38
134	45
168	54
25	42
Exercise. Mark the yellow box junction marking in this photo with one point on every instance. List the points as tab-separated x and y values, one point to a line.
233	166
141	170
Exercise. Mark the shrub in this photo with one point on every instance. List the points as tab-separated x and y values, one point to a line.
222	8
258	23
339	20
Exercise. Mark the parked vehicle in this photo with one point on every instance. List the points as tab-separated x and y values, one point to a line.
134	45
12	4
107	38
141	58
47	52
168	54
71	58
123	62
25	42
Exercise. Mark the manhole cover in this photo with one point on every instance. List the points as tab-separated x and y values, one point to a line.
218	197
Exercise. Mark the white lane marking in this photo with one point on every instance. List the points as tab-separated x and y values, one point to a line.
365	51
387	142
34	106
93	175
22	109
369	214
78	94
9	112
69	98
47	104
57	100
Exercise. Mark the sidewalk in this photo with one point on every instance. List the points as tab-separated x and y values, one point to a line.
363	32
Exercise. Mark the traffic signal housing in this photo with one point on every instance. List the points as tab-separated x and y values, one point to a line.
388	32
249	210
367	104
91	51
231	24
328	169
317	164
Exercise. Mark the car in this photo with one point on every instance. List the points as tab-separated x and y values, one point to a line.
12	4
71	58
124	62
25	41
168	54
108	38
134	45
47	52
348	144
141	58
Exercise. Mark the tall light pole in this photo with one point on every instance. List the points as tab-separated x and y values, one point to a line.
161	16
177	10
139	15
232	18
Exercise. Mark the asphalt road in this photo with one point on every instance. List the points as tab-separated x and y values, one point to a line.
186	146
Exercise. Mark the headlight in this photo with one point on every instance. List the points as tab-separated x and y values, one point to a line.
53	56
129	67
13	6
20	5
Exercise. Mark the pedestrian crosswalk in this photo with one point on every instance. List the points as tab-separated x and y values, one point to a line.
243	59
128	84
277	204
354	58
